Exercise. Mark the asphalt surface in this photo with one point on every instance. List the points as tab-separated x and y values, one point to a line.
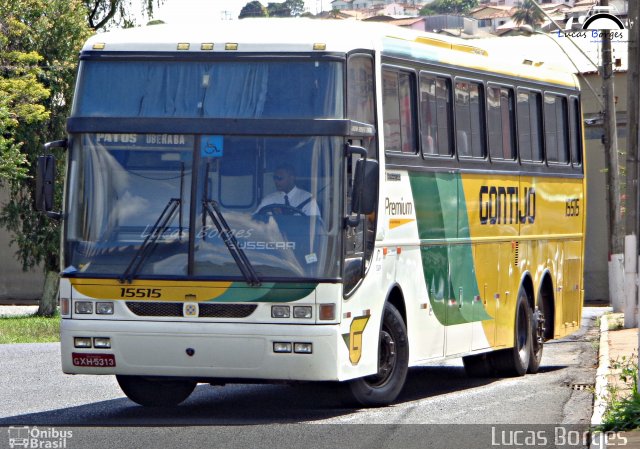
439	407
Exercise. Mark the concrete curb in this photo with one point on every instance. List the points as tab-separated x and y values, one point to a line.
601	393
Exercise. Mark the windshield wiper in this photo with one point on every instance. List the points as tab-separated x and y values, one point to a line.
212	209
160	226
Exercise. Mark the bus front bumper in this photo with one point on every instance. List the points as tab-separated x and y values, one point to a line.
202	350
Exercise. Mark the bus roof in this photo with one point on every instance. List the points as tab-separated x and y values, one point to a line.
309	35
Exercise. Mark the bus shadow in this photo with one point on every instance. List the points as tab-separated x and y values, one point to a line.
252	404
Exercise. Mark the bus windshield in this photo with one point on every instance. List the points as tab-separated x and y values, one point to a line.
220	89
146	205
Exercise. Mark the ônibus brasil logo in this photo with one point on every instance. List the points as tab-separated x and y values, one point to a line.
35	438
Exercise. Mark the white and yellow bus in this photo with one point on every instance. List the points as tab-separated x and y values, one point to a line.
438	210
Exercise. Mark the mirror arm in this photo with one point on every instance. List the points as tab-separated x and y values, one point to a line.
56	144
350	150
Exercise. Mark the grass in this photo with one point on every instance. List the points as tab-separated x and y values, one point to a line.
29	329
623	408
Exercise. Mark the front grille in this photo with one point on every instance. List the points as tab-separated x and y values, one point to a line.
174	309
226	310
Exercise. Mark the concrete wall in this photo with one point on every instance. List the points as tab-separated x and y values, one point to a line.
596	280
16	284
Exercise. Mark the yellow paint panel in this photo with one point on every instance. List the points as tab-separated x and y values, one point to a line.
150	290
396	222
355	338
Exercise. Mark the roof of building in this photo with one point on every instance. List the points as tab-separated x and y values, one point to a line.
491	12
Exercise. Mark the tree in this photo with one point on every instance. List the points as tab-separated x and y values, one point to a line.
38	50
295	6
107	13
253	9
448	7
278	10
528	13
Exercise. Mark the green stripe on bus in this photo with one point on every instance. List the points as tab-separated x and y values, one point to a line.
449	270
267	292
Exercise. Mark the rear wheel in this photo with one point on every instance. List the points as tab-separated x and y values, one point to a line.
384	387
515	361
537	338
152	392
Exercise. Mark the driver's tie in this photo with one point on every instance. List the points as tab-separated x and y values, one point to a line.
286	200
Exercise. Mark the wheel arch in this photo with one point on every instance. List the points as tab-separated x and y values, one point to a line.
395	297
526	283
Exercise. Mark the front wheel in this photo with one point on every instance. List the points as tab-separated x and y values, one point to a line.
152	392
384	387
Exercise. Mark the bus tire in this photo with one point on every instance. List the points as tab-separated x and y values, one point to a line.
155	392
515	361
537	339
393	364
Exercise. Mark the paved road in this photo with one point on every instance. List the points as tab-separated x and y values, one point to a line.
35	393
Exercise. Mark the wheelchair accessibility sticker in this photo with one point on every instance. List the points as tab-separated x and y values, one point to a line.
211	146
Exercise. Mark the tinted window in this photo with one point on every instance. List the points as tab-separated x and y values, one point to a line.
501	121
575	122
555	128
397	104
469	119
435	119
529	125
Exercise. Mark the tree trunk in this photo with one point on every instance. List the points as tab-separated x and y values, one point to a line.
49	300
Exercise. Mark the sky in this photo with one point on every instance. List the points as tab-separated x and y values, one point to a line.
180	11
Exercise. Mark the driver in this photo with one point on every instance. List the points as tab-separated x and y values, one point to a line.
288	194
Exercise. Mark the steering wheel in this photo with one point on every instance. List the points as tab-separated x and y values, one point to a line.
280	209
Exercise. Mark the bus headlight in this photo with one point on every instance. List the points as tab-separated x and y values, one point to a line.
302	311
102	342
104	308
84	307
82	342
280	311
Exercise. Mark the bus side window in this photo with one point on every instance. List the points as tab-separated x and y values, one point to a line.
501	122
575	120
470	119
435	117
555	125
528	113
397	103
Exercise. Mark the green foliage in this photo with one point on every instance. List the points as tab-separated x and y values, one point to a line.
623	409
21	95
29	329
528	13
288	8
105	14
253	9
295	6
38	53
278	10
448	7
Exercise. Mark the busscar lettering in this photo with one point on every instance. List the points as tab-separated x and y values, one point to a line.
507	205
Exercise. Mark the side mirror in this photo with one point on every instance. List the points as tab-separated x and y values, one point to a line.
45	181
365	187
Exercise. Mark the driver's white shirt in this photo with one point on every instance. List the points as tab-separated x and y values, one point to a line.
296	197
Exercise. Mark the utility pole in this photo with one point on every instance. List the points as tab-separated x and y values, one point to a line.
616	230
631	204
